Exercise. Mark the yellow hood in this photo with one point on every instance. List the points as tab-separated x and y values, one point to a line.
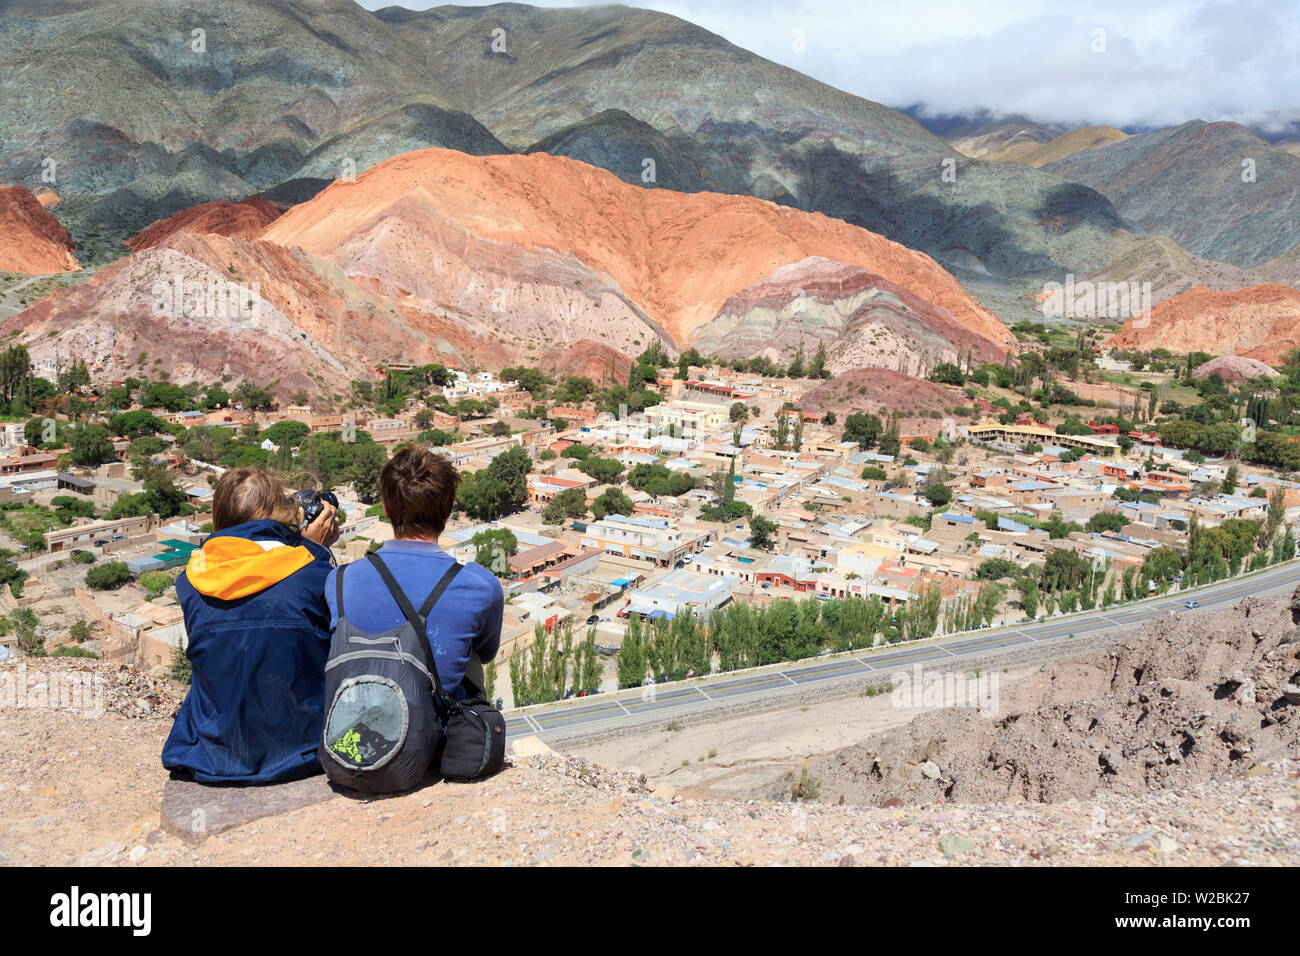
228	567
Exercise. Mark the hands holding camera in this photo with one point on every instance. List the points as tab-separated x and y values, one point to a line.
318	516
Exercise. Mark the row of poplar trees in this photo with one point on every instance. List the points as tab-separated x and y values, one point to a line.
553	666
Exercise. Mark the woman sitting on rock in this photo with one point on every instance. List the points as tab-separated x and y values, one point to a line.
258	633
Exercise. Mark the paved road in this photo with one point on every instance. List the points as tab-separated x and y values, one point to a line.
609	711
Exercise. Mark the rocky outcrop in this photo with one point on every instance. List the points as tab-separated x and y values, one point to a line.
1234	368
245	219
588	359
1260	322
877	389
32	241
1182	701
534	259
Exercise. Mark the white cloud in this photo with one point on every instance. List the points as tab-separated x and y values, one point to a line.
1166	61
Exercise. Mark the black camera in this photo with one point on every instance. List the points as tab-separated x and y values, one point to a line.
313	503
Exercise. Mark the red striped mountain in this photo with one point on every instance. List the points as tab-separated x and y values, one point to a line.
544	248
246	219
32	241
492	261
864	319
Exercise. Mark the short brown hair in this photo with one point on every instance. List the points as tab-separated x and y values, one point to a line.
250	494
418	488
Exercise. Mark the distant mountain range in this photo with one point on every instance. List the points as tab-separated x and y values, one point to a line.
139	117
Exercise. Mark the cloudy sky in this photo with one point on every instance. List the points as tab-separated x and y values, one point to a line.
1129	63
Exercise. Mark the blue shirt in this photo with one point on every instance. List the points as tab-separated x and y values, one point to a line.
465	621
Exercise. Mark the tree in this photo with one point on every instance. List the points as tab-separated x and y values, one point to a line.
136	424
796	369
494	548
287	432
257	397
497	489
363	471
761	530
781	435
1230	480
108	576
938	493
1029	598
613	501
90	445
631	661
1105	521
15	375
948	373
658	480
589	677
1162	564
161	494
603	470
1276	512
739	412
23	623
995	568
818	369
180	668
863	428
570	503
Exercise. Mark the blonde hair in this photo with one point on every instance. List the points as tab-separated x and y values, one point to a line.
250	494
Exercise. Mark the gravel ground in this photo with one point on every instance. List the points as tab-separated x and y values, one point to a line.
78	789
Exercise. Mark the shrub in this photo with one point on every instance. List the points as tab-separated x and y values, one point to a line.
155	582
106	577
70	651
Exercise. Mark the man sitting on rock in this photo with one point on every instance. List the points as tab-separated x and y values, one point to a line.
418	490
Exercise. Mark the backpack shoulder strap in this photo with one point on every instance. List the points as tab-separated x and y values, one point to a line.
443	583
418	619
338	593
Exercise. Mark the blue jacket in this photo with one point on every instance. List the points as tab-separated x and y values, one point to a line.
258	634
467	619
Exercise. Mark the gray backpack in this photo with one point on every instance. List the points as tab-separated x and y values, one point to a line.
382	729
